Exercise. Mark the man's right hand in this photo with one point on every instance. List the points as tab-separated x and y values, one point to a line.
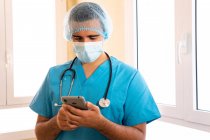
63	122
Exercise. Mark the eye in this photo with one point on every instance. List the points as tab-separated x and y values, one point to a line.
93	37
77	38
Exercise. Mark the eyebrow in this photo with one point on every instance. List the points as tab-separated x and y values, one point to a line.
76	36
93	35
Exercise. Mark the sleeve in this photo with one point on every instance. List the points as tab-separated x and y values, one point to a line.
41	103
140	106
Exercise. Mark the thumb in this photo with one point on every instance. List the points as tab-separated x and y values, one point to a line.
92	106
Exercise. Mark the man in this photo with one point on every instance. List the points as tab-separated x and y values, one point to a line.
129	105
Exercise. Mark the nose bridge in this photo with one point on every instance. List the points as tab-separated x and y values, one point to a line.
86	39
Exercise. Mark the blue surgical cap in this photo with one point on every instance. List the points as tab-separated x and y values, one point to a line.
87	16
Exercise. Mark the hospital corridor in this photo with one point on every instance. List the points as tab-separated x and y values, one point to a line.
104	69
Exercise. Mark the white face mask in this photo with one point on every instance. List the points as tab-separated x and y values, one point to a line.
88	52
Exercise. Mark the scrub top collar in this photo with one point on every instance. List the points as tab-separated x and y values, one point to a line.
95	75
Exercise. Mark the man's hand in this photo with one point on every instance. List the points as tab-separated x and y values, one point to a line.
70	118
88	118
63	122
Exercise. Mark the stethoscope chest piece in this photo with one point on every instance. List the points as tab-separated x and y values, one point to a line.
104	102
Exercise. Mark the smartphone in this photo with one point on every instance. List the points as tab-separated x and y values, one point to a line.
75	101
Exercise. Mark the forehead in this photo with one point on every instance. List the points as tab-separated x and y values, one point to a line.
86	33
94	23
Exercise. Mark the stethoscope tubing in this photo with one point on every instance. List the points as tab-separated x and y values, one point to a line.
110	77
74	74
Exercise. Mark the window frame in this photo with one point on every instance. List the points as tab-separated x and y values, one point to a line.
131	34
2	56
194	114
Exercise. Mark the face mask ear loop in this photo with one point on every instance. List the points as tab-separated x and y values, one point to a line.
102	42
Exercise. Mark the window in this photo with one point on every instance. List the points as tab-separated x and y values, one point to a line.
28	47
203	67
173	57
157	57
34	43
31	41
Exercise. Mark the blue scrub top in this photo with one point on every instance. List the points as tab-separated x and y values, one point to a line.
131	100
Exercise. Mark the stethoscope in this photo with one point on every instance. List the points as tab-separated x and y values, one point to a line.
103	102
